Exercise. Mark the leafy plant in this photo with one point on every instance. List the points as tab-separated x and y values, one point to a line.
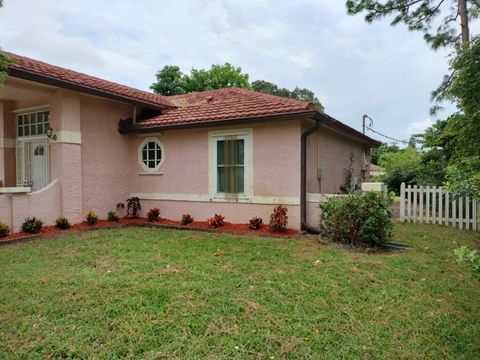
91	217
4	229
256	223
359	219
349	186
186	219
62	223
216	221
32	225
153	214
133	205
279	219
469	258
112	215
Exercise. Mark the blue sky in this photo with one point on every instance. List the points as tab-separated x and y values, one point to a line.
353	67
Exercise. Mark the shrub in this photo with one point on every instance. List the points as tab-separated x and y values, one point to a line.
358	219
279	219
32	225
153	214
62	223
186	219
256	223
91	217
469	258
4	229
216	221
112	216
133	205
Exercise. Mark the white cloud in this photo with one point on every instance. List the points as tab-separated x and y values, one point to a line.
416	127
360	68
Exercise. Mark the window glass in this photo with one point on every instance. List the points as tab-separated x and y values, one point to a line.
230	166
151	154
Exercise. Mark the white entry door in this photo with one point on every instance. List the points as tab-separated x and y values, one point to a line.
39	158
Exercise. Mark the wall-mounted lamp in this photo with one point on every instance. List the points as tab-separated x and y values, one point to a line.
50	134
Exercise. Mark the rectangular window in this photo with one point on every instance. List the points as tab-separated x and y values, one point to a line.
32	124
231	160
231	166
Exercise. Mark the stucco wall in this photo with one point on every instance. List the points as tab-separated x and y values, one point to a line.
329	152
106	155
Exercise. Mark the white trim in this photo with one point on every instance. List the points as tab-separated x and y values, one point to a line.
150	134
15	190
38	108
140	158
241	134
151	174
266	200
320	198
68	137
7	143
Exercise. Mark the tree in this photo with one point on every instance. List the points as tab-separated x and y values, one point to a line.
304	94
400	166
171	81
420	15
377	153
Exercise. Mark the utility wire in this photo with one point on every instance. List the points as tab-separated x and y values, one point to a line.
387	137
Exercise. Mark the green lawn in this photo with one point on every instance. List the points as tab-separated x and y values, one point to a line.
150	293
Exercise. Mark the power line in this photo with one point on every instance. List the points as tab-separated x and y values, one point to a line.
387	137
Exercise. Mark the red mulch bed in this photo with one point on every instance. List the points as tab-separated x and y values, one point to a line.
228	227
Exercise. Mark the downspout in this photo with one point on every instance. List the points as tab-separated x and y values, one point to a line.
303	178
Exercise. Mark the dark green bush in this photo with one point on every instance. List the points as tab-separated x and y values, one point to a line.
32	225
4	229
358	219
91	217
112	216
62	223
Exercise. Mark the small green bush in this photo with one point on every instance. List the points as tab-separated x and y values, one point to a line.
112	216
91	217
358	219
4	229
186	219
469	258
62	223
32	225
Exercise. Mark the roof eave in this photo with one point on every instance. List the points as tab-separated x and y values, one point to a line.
48	80
137	128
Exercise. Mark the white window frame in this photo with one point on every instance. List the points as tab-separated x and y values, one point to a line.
140	155
238	134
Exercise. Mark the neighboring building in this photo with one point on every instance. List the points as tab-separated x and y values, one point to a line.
376	170
70	142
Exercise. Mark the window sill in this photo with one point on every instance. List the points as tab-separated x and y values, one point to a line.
150	173
232	198
15	190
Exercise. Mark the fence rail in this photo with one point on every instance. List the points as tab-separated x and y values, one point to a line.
435	205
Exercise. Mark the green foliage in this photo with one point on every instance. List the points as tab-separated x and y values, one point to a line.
171	81
4	229
133	205
186	219
358	219
216	221
112	216
469	258
279	219
400	166
62	223
91	217
348	185
267	87
417	15
376	153
32	225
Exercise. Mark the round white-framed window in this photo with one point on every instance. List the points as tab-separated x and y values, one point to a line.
151	154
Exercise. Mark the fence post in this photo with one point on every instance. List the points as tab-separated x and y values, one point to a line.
476	217
402	202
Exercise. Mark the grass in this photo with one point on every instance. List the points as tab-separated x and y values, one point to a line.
149	293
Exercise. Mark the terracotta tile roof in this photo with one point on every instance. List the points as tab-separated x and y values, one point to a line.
225	104
22	64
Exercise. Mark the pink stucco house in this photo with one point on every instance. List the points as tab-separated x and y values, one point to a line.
70	142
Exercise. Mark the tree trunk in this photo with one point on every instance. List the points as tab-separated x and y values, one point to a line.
463	11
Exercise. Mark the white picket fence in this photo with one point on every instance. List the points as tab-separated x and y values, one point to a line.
435	205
